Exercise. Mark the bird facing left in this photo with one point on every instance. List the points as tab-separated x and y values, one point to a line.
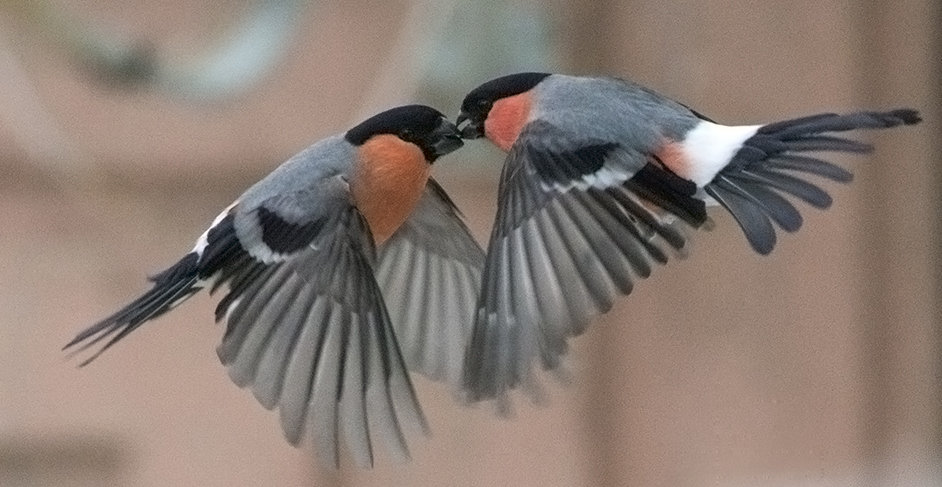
316	257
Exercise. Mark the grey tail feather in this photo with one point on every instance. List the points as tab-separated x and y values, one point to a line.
774	163
171	287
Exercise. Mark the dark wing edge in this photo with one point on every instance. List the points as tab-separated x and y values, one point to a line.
310	336
569	236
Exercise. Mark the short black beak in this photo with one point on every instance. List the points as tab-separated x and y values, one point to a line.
445	138
473	130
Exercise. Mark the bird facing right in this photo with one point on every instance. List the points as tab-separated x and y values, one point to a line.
337	266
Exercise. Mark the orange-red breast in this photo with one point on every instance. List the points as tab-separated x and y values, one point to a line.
335	260
600	178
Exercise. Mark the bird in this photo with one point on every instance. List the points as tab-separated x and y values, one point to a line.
603	180
346	267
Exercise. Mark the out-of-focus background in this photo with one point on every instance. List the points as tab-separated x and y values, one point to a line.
126	126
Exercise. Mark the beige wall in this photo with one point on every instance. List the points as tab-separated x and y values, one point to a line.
817	365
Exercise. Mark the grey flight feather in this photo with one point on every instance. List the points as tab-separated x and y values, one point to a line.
307	328
581	241
588	203
430	273
309	331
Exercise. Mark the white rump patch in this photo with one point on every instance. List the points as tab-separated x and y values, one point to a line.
710	147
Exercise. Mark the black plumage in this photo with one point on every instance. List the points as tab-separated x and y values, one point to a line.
772	164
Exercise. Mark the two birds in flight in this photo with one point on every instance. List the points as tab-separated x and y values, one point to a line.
348	266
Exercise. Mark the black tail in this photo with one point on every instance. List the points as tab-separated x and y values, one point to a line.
771	162
171	287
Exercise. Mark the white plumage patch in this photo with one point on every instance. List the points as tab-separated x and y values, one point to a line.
605	177
203	241
710	147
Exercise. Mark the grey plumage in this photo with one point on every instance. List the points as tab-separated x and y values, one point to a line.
611	110
430	274
324	300
602	180
564	244
308	328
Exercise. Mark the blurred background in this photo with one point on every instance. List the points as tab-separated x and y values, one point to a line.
125	127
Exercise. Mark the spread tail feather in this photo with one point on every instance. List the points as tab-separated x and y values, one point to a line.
171	287
772	164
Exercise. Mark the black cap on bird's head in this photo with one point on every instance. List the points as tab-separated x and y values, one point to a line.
477	104
421	125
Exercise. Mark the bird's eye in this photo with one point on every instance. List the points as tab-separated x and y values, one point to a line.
405	134
484	103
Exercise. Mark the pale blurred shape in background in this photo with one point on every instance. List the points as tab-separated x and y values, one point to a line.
124	128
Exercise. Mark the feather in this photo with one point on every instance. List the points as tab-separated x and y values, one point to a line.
773	162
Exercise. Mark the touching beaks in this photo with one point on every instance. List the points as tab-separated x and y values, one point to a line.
445	138
473	130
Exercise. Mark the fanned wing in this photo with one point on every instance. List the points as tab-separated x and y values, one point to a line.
430	275
578	222
307	329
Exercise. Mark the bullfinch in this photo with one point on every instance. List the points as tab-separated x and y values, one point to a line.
345	267
602	178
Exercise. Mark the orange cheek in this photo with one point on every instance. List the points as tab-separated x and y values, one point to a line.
506	119
389	179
